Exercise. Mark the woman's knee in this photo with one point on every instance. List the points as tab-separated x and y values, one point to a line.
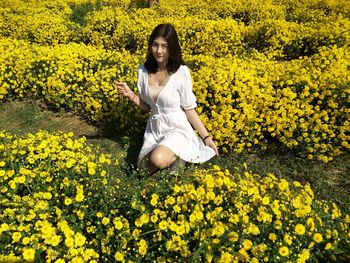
158	159
161	158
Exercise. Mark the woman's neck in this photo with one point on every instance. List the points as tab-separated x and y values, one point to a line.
162	66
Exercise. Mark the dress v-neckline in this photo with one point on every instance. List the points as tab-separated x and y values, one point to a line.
164	87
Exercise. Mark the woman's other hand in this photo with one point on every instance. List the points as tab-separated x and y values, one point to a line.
209	142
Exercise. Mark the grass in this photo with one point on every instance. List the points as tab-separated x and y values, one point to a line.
329	181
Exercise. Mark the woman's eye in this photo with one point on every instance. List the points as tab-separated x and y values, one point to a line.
163	46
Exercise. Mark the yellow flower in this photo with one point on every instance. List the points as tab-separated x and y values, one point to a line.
310	223
79	239
288	239
79	197
255	229
247	244
177	208
91	171
300	229
226	257
318	238
163	225
99	214
154	218
328	246
54	240
154	199
47	195
142	247
180	229
176	189
135	233
77	260
26	241
234	237
284	251
244	254
198	214
70	163
68	201
69	242
170	200
266	200
305	255
12	184
119	256
118	224
144	218
272	237
28	254
105	221
219	230
16	236
283	185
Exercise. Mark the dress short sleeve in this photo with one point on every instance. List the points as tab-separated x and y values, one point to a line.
187	97
141	81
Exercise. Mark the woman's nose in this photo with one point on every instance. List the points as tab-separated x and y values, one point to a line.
160	49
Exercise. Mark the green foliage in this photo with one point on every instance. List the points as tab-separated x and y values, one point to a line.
80	10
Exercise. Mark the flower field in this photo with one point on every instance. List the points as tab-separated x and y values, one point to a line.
277	70
64	202
262	70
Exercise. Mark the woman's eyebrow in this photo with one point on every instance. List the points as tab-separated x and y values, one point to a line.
160	43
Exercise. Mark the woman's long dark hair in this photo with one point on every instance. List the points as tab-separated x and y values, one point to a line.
175	59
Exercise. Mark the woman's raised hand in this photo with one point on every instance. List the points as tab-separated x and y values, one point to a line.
124	90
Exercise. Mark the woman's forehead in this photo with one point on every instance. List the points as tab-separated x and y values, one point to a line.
160	40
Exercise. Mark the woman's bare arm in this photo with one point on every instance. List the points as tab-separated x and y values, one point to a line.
139	102
196	122
124	90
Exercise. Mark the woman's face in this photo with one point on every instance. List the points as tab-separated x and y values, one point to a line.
160	50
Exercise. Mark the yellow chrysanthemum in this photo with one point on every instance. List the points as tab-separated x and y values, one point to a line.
119	256
28	254
283	251
318	237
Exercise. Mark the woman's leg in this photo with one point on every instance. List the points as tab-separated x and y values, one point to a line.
145	163
162	157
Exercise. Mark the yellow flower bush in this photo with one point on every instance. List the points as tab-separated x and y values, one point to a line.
277	69
303	103
52	188
280	39
63	202
113	28
105	27
38	22
73	76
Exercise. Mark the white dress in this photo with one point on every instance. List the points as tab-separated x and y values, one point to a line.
168	124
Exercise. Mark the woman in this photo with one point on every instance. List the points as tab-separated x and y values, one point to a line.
165	87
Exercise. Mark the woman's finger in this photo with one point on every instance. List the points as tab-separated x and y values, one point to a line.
120	84
211	144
